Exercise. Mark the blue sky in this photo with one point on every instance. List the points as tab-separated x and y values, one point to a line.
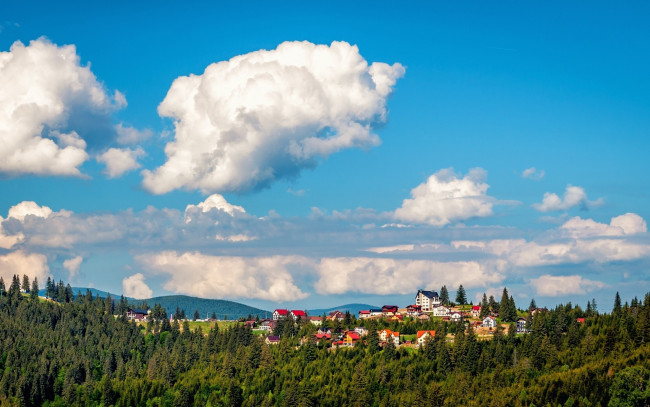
488	145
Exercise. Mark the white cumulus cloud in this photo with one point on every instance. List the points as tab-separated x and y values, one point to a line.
214	201
573	196
120	160
268	114
553	286
207	276
22	263
72	265
446	198
43	86
135	287
23	209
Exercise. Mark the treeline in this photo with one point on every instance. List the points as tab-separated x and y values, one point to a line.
77	353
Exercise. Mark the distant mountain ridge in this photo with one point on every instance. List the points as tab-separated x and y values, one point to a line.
352	308
223	309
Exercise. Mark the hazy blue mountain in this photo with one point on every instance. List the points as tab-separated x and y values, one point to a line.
222	308
353	308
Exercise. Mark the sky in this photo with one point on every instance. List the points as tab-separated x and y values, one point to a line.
283	154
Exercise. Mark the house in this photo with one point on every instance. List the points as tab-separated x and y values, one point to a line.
363	314
413	310
137	314
580	320
424	317
266	326
272	340
423	336
456	316
316	320
250	324
388	310
476	311
427	300
361	331
386	335
441	311
322	337
280	313
324	331
489	322
521	325
336	316
534	311
297	314
375	312
397	318
350	338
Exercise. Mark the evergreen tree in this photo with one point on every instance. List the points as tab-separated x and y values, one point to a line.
617	304
513	309
196	315
34	289
532	305
504	304
25	286
461	297
3	289
444	295
390	350
494	306
373	339
214	316
485	307
14	290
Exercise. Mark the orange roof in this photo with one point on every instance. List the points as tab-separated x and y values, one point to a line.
420	333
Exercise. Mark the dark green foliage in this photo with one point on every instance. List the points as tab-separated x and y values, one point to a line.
444	295
461	296
76	353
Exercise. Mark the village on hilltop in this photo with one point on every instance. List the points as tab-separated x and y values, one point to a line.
411	326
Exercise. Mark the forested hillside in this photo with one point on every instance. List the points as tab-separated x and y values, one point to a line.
78	353
223	309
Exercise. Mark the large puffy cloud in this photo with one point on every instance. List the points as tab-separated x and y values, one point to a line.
201	275
553	286
446	198
573	196
19	212
45	92
266	115
389	276
22	263
135	287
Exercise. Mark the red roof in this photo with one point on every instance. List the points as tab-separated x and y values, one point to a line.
420	333
580	320
353	335
298	313
281	311
364	312
476	308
